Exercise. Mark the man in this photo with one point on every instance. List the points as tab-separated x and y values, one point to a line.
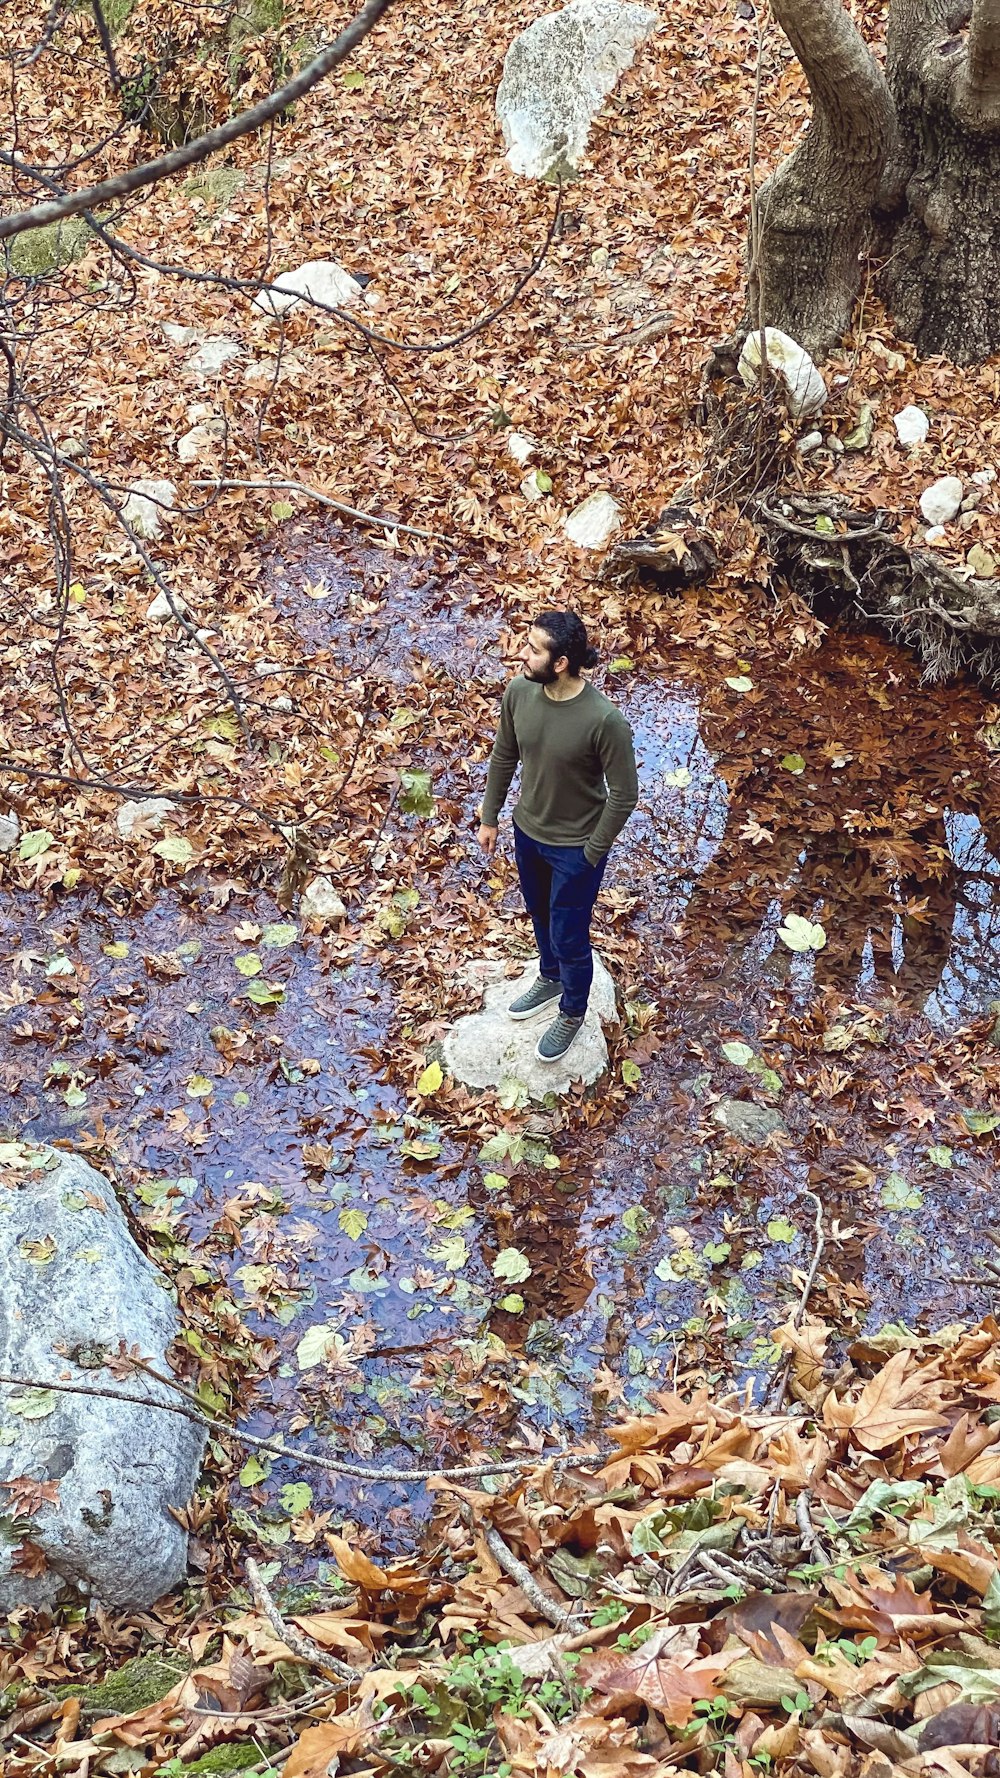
569	740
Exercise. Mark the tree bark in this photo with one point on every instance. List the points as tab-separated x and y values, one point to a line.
815	210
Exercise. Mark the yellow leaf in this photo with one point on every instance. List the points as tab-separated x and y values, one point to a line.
431	1079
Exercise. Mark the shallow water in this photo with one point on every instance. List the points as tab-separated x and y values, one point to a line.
275	1146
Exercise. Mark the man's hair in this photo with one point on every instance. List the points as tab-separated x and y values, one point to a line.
567	636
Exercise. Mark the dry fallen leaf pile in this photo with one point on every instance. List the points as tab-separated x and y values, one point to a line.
815	1590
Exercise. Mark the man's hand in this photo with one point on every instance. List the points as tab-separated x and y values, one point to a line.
487	837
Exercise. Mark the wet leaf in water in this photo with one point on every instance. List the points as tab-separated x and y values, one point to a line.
801	935
512	1265
353	1223
780	1229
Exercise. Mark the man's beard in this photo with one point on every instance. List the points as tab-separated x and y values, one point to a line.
546	676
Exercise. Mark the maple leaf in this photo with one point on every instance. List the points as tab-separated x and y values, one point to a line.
665	1673
319	1750
887	1410
28	1495
752	831
30	1559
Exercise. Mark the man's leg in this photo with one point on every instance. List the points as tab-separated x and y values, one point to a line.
535	875
575	886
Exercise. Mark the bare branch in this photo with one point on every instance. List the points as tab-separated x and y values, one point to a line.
111	190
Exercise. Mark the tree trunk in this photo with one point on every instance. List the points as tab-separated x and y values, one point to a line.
910	159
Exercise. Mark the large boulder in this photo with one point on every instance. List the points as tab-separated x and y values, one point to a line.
486	1049
89	1481
557	75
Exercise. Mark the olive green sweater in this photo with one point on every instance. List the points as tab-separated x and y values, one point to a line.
566	749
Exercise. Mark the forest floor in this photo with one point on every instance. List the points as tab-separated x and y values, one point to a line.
276	1148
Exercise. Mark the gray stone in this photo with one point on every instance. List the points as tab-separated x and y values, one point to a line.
322	279
321	903
487	1049
213	354
940	502
747	1122
591	524
810	442
557	75
76	1286
10	831
144	508
160	610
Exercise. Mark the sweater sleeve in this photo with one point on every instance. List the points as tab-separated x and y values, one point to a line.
617	757
503	764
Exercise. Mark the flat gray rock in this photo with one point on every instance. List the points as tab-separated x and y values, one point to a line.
74	1285
556	76
747	1122
486	1049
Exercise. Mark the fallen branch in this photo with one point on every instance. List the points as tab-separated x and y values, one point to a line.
351	512
810	1537
335	1466
558	1615
300	1644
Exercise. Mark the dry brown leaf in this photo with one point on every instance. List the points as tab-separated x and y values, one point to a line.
316	1747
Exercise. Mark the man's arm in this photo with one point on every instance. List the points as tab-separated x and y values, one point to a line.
503	764
617	757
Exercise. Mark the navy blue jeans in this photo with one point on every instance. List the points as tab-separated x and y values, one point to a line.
560	889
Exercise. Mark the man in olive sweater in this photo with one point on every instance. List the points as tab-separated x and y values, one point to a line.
578	789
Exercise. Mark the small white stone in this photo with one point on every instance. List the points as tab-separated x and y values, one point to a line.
810	442
199	442
806	390
144	508
137	820
322	279
940	502
10	831
983	477
934	534
282	702
320	902
520	447
160	611
529	486
835	444
594	521
213	354
179	336
912	425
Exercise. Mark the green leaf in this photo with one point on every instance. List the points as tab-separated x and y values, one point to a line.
353	1223
33	1404
679	779
279	935
740	1054
631	1073
716	1252
543	481
60	964
780	1229
420	1148
452	1253
118	949
34	843
513	1303
825	525
622	663
430	1080
199	1087
282	509
513	1094
314	1345
635	1219
75	1097
248	963
253	1471
898	1194
416	798
266	993
495	1182
175	849
794	762
353	79
740	683
296	1497
981	1123
665	1271
801	935
511	1264
496	1148
939	1155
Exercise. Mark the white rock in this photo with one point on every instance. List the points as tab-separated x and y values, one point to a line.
144	508
486	1048
912	425
983	477
557	75
10	831
123	1470
940	502
520	447
137	820
320	902
199	442
595	520
934	534
811	441
806	390
322	279
530	488
159	611
284	702
179	336
213	354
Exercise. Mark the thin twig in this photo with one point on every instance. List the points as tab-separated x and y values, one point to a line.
810	1538
310	1459
300	1644
558	1615
350	512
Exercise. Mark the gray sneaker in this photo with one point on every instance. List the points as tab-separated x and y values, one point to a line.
553	1043
541	993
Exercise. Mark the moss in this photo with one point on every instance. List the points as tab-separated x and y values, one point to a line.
215	186
42	250
116	13
251	19
141	1682
228	1760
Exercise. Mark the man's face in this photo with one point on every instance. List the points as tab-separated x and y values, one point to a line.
536	658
